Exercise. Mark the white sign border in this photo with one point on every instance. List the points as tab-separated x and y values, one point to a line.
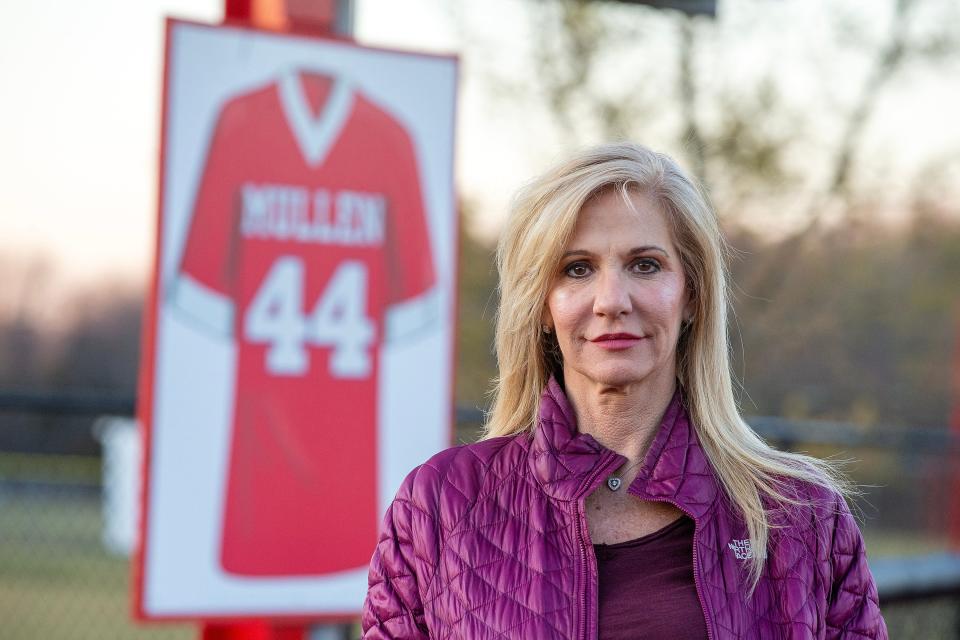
179	576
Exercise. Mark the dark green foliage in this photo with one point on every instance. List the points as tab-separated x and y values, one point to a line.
861	331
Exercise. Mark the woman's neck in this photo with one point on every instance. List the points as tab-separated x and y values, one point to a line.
623	419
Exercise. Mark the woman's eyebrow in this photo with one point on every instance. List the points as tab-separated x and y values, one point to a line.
576	252
647	248
634	251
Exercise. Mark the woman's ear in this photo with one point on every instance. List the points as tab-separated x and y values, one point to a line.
690	307
546	320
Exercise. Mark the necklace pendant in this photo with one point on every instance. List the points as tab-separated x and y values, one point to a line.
613	483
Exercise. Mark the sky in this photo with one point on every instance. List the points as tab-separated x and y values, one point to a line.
79	131
80	124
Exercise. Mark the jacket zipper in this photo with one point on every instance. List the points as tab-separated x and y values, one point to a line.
581	539
696	563
584	571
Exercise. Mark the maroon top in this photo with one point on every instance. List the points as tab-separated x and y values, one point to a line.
646	586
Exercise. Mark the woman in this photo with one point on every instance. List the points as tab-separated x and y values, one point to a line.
618	493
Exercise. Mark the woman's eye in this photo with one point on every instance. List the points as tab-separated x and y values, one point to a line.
578	270
646	266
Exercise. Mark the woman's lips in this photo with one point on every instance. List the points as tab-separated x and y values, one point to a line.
616	341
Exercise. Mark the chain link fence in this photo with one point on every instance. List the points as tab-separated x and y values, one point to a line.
65	573
57	578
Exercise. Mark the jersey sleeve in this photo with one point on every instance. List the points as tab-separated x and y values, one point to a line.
203	286
412	295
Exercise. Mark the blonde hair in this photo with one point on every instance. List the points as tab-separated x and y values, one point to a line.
541	223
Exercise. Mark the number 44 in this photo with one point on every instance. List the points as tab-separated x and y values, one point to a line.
338	320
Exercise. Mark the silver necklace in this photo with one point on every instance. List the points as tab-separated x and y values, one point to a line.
614	482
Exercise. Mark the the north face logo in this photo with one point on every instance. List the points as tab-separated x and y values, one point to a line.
741	549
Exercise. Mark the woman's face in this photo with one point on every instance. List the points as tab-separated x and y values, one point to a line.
619	297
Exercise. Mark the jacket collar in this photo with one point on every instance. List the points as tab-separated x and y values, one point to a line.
569	465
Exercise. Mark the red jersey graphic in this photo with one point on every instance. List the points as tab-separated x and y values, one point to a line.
308	245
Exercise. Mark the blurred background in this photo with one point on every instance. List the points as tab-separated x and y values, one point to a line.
826	133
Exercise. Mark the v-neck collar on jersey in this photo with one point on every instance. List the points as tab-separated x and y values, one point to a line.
315	135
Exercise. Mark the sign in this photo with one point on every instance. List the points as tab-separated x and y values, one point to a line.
298	352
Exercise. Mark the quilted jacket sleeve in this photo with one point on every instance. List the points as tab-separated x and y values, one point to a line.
854	610
393	607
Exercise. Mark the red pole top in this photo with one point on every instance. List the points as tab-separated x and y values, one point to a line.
315	16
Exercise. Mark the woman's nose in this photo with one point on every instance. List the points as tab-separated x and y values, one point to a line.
611	297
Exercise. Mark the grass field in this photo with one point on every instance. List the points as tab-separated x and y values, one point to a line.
56	581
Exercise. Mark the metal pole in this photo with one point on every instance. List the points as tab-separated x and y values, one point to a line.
953	527
344	17
329	632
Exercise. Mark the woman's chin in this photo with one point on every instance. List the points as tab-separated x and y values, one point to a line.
613	376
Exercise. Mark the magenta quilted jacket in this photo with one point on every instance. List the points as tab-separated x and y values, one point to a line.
489	540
